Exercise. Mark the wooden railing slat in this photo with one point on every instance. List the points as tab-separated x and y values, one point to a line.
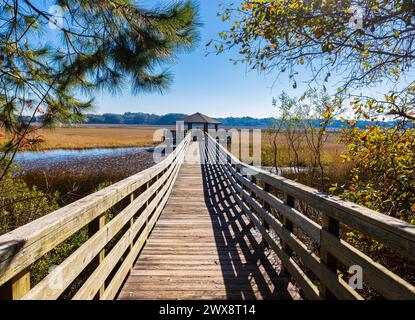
342	291
306	224
308	287
399	234
23	246
250	197
127	264
90	287
77	261
388	284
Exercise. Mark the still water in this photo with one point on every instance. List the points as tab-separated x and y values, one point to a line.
32	159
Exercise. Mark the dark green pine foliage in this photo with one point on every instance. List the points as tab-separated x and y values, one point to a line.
94	45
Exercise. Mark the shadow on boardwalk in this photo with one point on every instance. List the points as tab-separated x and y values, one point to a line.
203	247
250	270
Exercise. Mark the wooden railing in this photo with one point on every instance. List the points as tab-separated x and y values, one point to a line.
141	197
280	223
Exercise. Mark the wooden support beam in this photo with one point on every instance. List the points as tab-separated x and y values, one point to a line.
17	287
131	221
267	188
93	227
289	201
332	226
217	153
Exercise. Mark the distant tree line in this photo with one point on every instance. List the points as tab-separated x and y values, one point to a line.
134	118
140	118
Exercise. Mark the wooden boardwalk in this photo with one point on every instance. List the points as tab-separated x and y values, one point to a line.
193	229
203	247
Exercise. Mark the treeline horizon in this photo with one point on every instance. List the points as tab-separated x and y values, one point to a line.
141	118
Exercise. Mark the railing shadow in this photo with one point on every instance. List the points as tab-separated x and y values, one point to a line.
248	268
8	252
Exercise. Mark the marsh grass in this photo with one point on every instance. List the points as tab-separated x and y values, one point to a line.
88	137
71	186
330	153
335	169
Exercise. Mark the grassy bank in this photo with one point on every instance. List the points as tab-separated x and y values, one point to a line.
98	137
88	137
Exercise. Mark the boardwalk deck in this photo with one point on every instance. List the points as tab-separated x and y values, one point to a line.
203	247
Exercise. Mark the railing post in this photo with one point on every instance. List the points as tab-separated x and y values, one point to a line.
131	221
206	138
147	202
290	201
333	226
253	180
267	207
93	227
17	287
217	151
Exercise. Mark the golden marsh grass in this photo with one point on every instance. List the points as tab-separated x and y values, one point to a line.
87	137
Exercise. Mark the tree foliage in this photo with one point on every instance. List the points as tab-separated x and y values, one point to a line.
353	45
47	60
383	174
303	123
354	42
21	204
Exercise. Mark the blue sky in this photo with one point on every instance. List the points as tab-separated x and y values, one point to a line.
211	85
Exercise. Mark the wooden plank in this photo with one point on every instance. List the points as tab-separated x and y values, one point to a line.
331	226
20	284
195	257
388	284
288	225
93	227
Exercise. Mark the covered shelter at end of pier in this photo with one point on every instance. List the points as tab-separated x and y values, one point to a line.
200	119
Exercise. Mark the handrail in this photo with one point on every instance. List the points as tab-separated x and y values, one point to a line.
253	188
146	193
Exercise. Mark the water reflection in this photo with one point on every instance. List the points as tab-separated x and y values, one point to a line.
29	160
